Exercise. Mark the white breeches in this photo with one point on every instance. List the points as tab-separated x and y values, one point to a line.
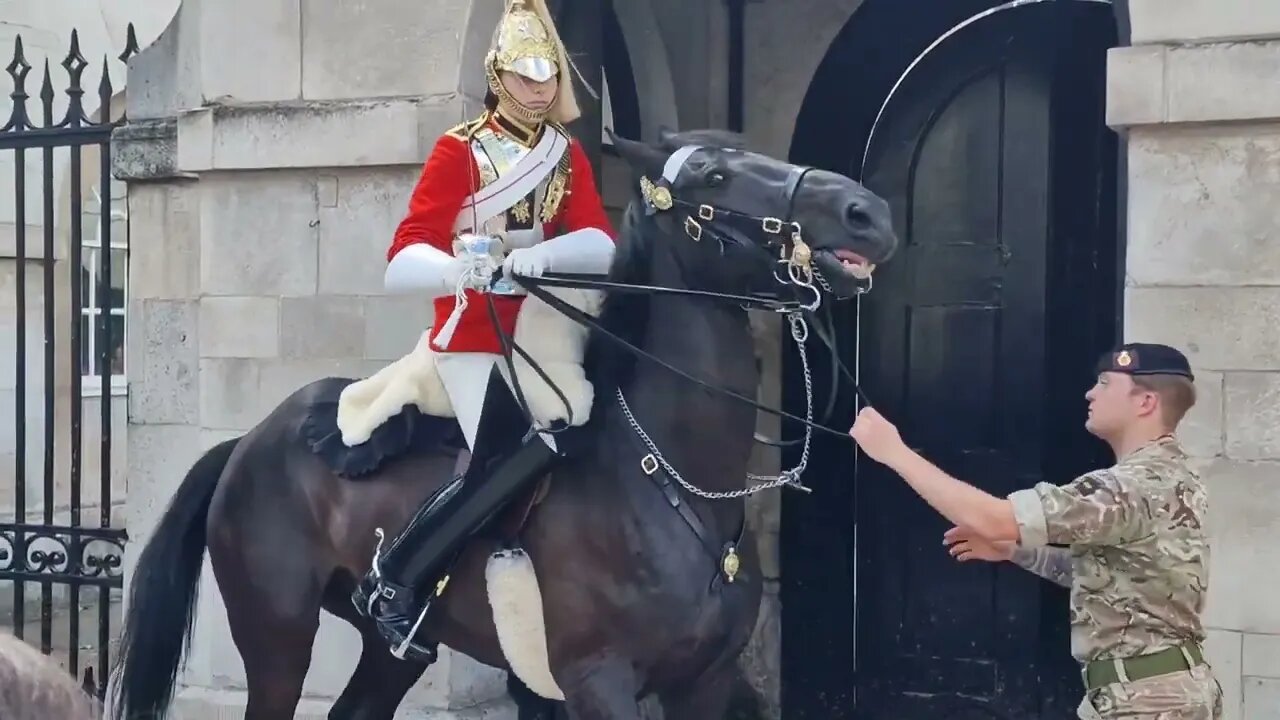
465	377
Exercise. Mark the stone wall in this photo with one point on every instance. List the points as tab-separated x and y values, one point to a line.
1197	97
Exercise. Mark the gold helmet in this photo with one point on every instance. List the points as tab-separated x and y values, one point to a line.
526	43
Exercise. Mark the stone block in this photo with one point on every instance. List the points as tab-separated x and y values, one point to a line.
163	365
258	234
1223	82
230	397
250	50
1135	86
350	50
281	378
159	457
1190	21
1261	655
356	229
1261	698
394	325
209	438
437	115
239	327
164	241
1218	328
1252	416
1202	431
1222	650
195	140
153	75
322	327
310	134
145	150
1201	206
1244	520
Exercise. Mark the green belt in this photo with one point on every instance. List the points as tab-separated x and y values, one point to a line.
1101	673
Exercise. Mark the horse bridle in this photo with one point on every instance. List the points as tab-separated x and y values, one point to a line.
785	234
700	219
798	262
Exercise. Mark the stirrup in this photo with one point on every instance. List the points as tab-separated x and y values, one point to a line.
402	649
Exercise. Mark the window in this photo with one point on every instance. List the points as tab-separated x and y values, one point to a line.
93	314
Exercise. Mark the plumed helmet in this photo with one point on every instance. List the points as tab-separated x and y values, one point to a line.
526	43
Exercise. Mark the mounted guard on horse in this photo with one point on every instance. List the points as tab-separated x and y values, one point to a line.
512	191
594	539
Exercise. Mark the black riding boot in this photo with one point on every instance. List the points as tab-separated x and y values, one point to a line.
408	575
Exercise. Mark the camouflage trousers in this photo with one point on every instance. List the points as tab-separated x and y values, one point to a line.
1187	695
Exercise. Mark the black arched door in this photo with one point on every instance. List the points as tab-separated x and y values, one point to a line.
964	342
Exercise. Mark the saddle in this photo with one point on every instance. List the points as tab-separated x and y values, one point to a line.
357	426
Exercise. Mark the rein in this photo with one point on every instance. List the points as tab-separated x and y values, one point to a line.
724	225
579	281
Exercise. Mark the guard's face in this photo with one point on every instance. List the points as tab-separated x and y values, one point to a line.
536	96
1115	403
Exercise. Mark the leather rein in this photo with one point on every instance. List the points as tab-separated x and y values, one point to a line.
701	220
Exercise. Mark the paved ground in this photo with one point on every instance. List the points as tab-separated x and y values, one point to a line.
60	626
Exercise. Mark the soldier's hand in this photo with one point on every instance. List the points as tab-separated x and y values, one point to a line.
877	437
965	545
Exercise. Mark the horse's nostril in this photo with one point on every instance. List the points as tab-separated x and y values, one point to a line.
857	216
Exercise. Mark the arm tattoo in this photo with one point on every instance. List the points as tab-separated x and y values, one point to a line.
1050	563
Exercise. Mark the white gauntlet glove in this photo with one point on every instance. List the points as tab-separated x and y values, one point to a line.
529	262
420	268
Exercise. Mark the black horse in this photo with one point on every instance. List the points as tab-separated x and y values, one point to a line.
648	579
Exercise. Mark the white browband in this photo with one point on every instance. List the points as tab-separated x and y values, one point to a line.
676	162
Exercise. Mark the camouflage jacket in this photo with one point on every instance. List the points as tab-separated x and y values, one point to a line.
1139	548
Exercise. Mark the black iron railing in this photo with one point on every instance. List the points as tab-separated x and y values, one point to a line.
57	546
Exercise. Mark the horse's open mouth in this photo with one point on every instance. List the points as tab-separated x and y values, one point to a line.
845	261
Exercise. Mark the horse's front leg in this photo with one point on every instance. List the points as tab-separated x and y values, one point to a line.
708	697
600	689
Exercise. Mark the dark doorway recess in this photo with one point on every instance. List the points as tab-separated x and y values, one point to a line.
979	340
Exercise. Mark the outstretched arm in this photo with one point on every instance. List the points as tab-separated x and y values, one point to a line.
961	503
1051	563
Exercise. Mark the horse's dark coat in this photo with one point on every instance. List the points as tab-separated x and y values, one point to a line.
627	603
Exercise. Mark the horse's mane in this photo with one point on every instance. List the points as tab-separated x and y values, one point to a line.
607	364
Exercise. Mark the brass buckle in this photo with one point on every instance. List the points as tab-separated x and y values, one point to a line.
692	227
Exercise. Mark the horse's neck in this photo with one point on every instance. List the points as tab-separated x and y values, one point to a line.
705	435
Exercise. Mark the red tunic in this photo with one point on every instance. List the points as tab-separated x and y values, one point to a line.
434	207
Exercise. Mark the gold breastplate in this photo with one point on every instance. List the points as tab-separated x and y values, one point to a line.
497	154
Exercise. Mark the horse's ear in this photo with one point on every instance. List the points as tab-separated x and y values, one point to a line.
642	157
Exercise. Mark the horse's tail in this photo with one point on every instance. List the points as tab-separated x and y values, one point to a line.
161	613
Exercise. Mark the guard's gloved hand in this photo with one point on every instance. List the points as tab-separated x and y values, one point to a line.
528	262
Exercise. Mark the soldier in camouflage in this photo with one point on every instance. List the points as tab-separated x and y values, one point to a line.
1130	540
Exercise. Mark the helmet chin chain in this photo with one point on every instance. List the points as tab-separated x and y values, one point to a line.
508	101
